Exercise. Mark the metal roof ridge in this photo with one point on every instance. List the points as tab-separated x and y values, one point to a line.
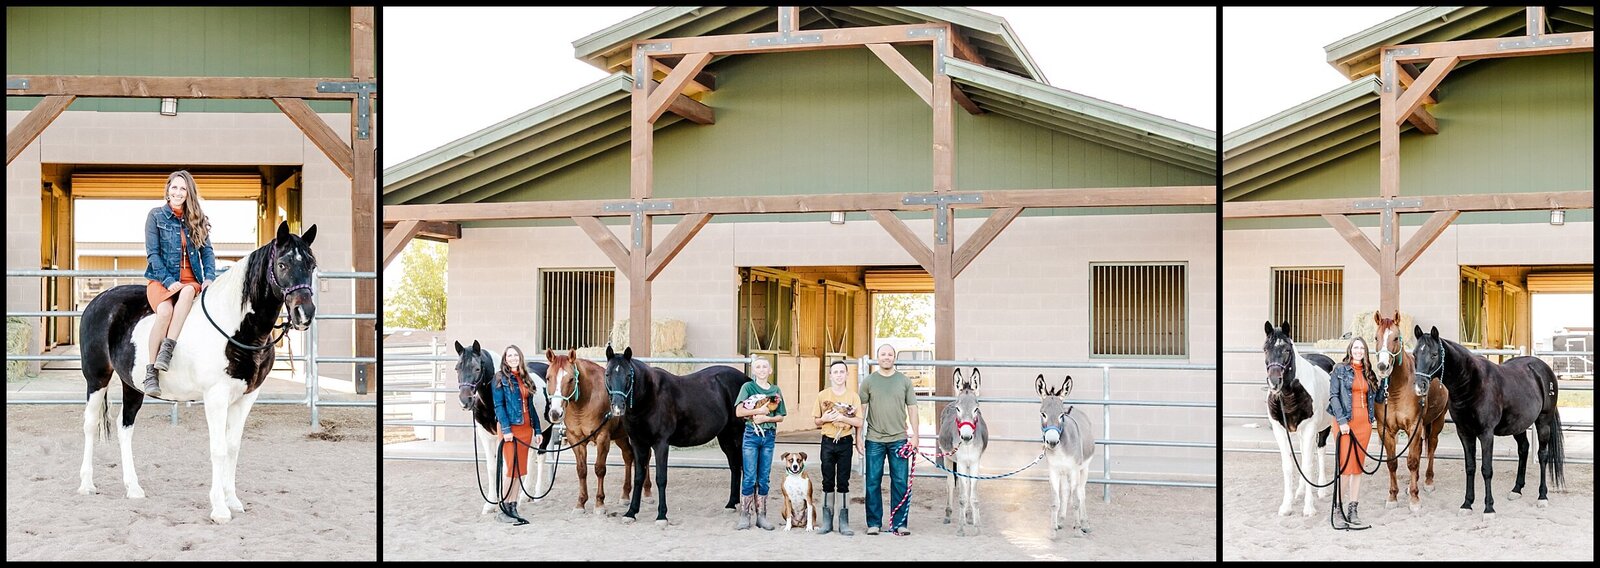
1366	84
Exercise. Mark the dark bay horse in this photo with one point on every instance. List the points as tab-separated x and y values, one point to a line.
663	410
1488	400
475	369
578	400
1403	412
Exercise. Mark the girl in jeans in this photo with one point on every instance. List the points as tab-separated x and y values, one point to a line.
760	436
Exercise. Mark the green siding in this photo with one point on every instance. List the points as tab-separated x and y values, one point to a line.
1505	125
178	42
839	121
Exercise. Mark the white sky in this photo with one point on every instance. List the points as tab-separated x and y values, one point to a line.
513	59
1552	312
122	220
1272	58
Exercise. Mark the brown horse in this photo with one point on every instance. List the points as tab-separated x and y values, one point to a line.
1402	412
578	400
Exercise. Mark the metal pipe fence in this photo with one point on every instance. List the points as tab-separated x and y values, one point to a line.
311	358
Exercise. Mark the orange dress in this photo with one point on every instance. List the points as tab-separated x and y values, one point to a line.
512	450
155	293
1360	428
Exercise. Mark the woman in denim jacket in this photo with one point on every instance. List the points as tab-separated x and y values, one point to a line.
1351	407
177	246
519	427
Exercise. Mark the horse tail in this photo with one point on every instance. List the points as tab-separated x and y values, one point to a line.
1557	455
105	416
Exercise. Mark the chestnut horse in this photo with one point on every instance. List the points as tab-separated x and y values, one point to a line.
1404	411
578	400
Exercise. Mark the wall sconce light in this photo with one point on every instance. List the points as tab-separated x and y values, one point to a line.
837	218
1558	216
169	107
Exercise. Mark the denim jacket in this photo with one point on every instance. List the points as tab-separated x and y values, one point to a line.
162	246
506	410
1342	379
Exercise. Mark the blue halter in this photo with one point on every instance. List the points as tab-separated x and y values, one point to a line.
1435	373
577	379
629	392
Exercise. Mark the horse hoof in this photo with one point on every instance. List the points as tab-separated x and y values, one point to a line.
1463	511
661	523
1390	504
221	516
626	520
487	508
1285	511
1428	487
1310	511
1055	534
86	490
1514	495
1083	532
1416	507
1488	516
135	492
1542	503
235	506
1323	493
947	520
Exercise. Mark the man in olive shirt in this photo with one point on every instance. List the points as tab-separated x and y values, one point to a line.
888	399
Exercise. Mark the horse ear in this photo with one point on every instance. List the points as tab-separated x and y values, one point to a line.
1377	317
627	353
1397	316
1285	328
310	235
1434	332
572	354
550	355
1066	386
283	232
1417	330
476	347
1269	329
1038	384
609	353
459	348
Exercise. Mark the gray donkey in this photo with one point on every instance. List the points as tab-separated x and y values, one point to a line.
1068	443
963	435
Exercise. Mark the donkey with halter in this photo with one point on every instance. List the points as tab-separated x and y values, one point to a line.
224	368
583	384
1404	411
1297	402
963	435
1488	400
1068	445
663	410
475	369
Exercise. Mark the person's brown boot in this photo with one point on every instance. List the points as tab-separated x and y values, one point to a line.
761	513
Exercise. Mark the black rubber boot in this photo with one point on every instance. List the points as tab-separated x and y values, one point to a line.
827	513
152	386
164	355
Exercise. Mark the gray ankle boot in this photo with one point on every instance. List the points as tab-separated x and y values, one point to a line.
152	386
164	355
844	515
761	513
827	513
745	505
508	514
1355	520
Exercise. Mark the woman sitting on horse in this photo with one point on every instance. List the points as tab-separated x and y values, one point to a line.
1351	408
177	245
519	427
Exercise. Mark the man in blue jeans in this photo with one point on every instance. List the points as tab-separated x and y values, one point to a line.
889	400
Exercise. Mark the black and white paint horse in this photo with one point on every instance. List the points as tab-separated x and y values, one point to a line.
1488	400
1297	402
1068	445
475	369
963	435
208	365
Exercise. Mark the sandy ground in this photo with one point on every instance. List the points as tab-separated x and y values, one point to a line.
306	497
432	512
1252	529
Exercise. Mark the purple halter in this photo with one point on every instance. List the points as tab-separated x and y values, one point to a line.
272	276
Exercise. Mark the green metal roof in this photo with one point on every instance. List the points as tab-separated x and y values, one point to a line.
1086	117
1357	54
1300	138
988	34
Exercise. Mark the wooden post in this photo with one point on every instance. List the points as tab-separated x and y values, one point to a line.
639	287
944	177
1388	184
642	135
363	189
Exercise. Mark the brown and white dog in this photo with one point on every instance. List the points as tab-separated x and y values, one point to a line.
797	503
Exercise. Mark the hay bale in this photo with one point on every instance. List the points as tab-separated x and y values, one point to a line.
665	335
19	335
1363	326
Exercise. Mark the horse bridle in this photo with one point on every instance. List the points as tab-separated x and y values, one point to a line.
273	278
629	392
577	376
1270	365
1436	372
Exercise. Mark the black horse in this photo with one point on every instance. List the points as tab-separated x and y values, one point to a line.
475	369
1488	400
664	410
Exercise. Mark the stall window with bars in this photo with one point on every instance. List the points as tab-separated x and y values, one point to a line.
1311	300
576	307
1140	309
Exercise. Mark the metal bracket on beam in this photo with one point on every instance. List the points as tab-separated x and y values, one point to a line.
15	84
1387	207
939	44
638	206
1389	80
638	229
941	222
663	46
786	40
363	91
783	21
1534	42
941	198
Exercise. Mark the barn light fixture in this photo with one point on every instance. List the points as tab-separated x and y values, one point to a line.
836	218
169	107
1558	216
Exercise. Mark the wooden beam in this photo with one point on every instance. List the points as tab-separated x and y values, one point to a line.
944	310
1412	99
1489	48
824	203
639	289
1388	135
693	110
788	19
798	41
1356	238
903	69
177	87
1406	79
908	240
1388	278
672	87
607	242
1425	235
364	191
1429	203
396	239
961	99
674	243
1420	118
319	132
997	222
701	83
944	124
431	230
963	49
29	128
642	136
